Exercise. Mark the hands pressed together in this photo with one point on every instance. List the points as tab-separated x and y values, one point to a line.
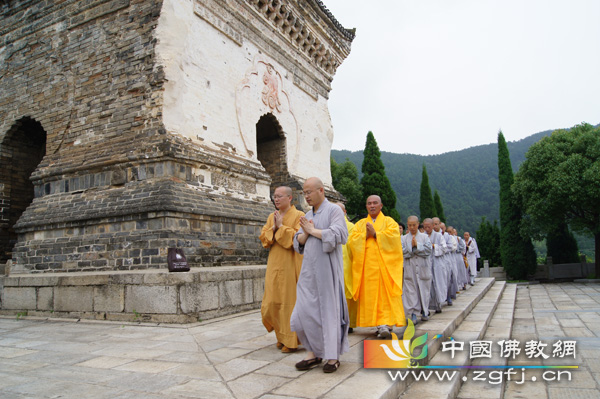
371	230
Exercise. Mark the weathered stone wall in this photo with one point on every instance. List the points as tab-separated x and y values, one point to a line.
155	295
270	57
149	111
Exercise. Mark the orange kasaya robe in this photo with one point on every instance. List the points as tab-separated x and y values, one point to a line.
352	304
283	269
377	267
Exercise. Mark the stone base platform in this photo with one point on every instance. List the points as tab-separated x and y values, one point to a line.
146	295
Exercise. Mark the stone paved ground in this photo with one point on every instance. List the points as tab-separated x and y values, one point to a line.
234	357
552	312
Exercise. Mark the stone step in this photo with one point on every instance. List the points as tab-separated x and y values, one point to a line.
500	328
376	383
473	328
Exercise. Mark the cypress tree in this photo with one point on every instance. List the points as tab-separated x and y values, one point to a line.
517	253
439	209
374	180
561	245
345	180
426	204
488	241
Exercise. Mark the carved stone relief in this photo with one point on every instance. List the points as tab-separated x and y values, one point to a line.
262	91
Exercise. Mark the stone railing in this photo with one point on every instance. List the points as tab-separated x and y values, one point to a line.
549	271
144	296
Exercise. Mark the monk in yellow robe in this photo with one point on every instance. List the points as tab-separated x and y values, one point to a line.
377	267
283	269
352	304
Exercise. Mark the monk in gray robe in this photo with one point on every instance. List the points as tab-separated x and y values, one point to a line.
444	271
471	253
436	260
460	263
320	317
416	248
451	245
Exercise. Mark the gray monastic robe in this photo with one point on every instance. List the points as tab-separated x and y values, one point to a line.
320	317
472	253
417	274
451	246
462	271
438	265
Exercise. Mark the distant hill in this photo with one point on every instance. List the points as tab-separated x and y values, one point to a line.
466	180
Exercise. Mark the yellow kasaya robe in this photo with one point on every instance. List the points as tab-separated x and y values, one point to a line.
283	269
377	267
352	304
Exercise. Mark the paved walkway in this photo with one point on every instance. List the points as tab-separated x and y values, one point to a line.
234	357
553	312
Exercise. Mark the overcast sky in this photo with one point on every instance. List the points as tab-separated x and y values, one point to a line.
432	76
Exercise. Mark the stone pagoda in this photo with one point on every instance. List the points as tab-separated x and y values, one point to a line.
128	127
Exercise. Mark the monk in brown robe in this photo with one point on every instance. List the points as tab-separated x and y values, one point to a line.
283	269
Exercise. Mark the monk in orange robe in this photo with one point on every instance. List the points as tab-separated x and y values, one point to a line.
283	269
377	267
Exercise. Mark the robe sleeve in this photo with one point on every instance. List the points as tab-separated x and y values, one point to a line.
446	241
454	244
461	245
423	247
471	247
285	234
356	245
267	237
337	232
390	250
439	247
406	247
297	246
476	249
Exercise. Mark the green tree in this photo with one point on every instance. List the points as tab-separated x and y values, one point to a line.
560	179
488	241
439	209
426	204
561	245
345	180
374	180
517	253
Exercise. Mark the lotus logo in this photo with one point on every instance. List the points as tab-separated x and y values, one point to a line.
178	256
402	351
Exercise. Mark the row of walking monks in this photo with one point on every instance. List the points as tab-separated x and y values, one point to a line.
389	278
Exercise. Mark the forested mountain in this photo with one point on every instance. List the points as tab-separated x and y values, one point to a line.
466	180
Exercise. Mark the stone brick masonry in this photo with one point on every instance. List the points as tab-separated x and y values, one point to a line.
83	93
131	126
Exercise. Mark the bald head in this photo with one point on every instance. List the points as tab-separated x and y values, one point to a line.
314	192
428	225
413	224
374	198
284	190
314	182
374	205
282	197
436	224
341	205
